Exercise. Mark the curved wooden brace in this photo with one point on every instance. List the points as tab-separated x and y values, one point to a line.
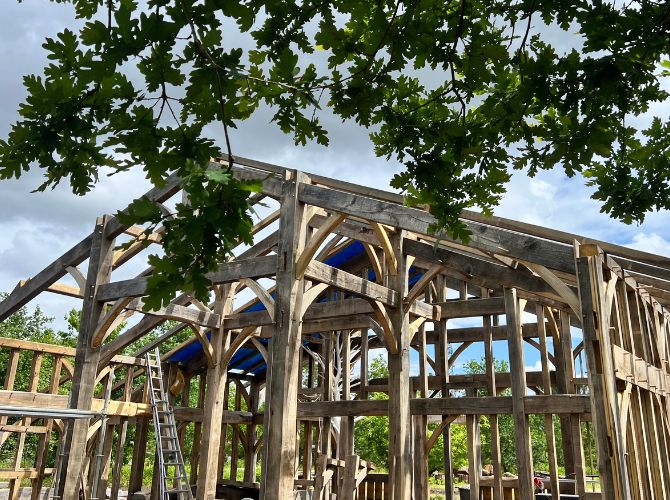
458	352
577	351
326	251
239	341
262	294
102	374
315	242
93	429
205	343
109	321
387	326
438	431
377	329
78	276
385	242
374	262
68	366
141	242
178	385
311	295
261	348
425	280
415	325
558	285
199	305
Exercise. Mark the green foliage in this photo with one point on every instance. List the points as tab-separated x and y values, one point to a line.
461	93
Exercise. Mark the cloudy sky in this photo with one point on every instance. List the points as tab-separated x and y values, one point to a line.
36	228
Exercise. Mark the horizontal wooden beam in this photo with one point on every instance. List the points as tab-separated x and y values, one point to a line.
488	238
349	282
472	307
183	314
257	267
488	405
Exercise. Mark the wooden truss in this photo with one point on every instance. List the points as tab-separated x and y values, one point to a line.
312	332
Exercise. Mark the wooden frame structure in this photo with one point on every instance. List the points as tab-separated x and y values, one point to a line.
337	271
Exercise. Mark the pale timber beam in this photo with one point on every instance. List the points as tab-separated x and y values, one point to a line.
257	267
349	282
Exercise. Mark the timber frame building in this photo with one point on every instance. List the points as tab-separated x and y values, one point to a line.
337	271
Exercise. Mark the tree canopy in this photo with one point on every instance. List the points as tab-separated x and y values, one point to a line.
461	92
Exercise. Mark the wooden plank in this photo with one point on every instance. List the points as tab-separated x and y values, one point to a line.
256	267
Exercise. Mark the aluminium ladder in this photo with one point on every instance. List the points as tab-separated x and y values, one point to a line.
170	460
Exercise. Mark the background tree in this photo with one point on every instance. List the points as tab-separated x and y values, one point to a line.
488	86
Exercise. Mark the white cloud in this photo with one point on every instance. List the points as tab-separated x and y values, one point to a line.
537	366
542	189
650	242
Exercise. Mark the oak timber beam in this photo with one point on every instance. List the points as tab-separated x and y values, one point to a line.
257	267
279	436
468	405
472	307
488	238
346	281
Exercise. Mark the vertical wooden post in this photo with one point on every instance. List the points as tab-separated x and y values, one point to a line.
524	458
346	423
235	441
548	418
139	455
224	432
251	455
214	399
442	360
86	362
279	451
400	418
15	484
420	423
197	433
602	385
473	430
45	439
492	391
121	441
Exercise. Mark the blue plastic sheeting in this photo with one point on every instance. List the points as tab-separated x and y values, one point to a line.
246	358
189	351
